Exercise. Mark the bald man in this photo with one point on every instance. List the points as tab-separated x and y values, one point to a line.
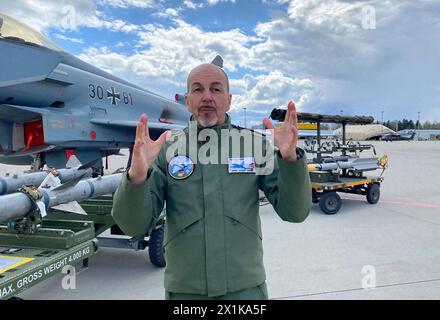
213	243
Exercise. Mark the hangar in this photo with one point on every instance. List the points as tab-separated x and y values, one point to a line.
364	132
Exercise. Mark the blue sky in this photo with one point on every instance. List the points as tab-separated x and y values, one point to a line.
359	57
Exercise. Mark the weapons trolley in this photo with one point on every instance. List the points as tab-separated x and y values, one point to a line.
331	173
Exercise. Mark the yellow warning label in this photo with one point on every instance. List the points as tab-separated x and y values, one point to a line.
11	262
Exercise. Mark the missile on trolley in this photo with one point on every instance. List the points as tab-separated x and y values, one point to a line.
17	205
10	184
357	164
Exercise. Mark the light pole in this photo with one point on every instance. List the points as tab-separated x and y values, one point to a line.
381	128
418	124
244	117
418	119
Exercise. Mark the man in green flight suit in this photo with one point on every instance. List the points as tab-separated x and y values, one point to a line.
213	245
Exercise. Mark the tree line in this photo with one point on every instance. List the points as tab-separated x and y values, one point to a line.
409	124
401	125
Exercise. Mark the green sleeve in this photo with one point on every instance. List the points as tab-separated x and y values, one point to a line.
288	188
136	208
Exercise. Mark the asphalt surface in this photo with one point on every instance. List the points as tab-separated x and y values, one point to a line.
389	250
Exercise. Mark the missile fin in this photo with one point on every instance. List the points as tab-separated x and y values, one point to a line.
50	181
72	207
89	164
70	183
73	162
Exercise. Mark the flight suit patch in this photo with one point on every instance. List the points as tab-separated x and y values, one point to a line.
180	167
241	165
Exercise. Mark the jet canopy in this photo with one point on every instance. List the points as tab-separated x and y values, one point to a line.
13	30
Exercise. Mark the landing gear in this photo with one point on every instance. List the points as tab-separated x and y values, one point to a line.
38	162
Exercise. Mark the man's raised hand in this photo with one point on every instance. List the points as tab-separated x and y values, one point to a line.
286	137
145	151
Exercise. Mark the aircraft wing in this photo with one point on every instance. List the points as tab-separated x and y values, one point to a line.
155	125
22	114
19	114
20	69
31	151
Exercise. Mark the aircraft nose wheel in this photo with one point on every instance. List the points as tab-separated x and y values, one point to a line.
330	202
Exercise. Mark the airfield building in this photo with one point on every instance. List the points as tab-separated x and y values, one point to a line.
364	132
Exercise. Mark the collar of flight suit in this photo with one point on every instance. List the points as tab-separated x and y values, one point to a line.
225	125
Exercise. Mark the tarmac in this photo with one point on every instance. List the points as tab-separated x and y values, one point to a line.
389	250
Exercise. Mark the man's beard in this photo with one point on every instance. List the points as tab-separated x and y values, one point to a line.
207	121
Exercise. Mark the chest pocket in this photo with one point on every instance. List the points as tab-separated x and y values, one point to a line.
179	224
184	204
250	221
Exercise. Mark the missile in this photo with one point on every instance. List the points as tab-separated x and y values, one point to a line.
358	164
337	158
17	205
10	184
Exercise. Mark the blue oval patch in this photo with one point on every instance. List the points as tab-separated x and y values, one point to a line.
180	167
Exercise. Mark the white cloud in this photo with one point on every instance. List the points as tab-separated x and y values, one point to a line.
167	13
144	4
181	47
359	70
98	21
112	62
214	2
42	14
166	55
276	1
274	90
64	15
197	5
191	5
172	12
327	16
63	37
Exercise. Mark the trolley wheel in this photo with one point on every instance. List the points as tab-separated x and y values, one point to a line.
330	202
373	193
155	247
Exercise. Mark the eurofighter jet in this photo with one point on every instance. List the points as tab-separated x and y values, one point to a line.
54	105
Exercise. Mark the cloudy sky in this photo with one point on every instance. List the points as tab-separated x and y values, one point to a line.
336	56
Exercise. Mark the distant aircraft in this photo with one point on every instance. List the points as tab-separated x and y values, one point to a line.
53	105
397	137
